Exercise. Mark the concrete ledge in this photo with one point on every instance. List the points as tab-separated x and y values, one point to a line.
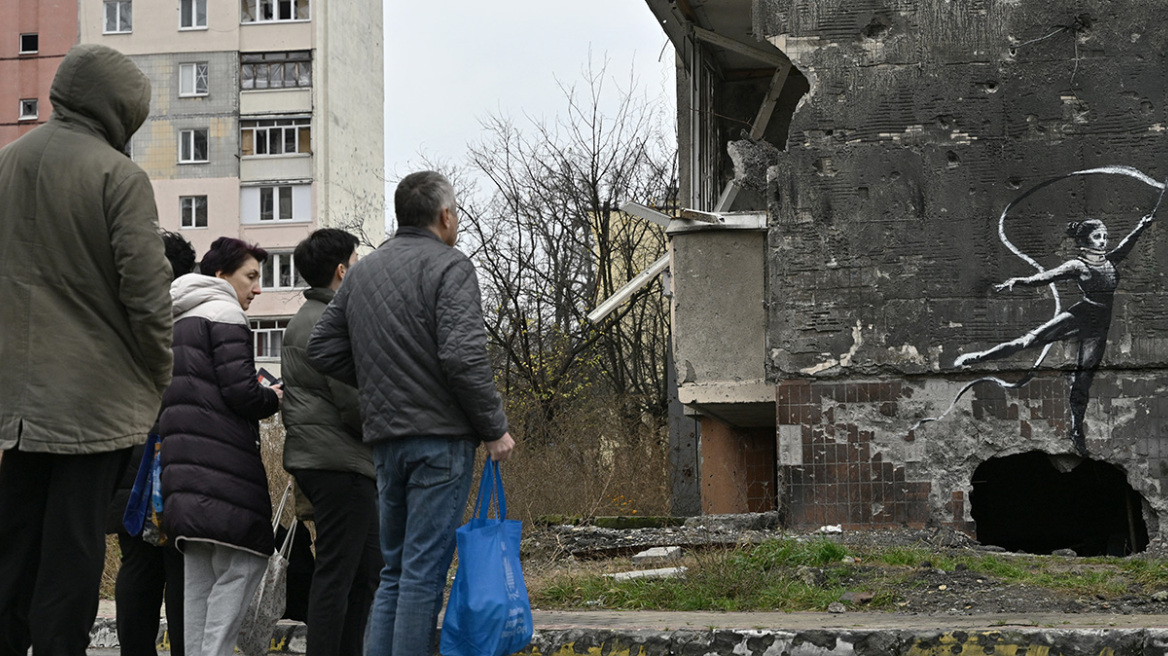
842	642
288	638
871	634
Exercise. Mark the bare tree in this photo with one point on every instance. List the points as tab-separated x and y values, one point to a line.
550	242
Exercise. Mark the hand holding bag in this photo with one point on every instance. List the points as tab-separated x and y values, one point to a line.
267	606
488	613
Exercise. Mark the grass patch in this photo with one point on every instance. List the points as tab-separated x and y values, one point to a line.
807	575
777	574
794	553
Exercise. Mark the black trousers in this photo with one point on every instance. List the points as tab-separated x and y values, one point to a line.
145	573
52	548
348	559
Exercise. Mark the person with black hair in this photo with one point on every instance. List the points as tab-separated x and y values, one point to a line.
216	505
148	573
179	253
324	453
1088	320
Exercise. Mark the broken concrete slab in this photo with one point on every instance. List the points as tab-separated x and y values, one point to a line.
662	573
657	555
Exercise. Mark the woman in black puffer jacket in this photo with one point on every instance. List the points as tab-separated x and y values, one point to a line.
215	490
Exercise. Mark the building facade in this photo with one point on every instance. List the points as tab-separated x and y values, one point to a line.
896	316
265	121
34	37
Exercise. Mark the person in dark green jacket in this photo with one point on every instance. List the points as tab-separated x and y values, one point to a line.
333	467
85	335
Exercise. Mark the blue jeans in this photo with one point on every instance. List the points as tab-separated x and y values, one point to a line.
422	486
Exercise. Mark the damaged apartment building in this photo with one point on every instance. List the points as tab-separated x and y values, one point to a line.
920	276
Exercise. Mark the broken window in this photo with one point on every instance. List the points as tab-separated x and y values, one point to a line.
706	152
28	109
270	137
275	70
192	79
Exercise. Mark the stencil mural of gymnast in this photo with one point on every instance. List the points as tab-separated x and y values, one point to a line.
1088	321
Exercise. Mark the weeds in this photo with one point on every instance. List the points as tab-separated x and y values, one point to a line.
788	553
807	575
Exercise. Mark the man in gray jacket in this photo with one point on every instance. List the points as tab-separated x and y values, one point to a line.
85	334
406	328
334	468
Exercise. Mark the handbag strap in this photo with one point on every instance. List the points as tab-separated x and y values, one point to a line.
491	488
286	548
280	509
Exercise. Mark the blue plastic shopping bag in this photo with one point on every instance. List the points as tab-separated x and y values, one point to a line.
488	613
140	495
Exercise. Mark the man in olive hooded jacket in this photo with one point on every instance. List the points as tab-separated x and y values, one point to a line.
85	336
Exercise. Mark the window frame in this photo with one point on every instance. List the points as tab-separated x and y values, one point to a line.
25	116
257	134
128	28
266	204
270	268
195	68
275	197
251	11
260	332
255	70
194	10
36	46
184	146
194	214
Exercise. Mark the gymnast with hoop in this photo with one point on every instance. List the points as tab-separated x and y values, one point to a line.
1094	269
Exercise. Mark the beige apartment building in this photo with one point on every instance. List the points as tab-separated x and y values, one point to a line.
266	123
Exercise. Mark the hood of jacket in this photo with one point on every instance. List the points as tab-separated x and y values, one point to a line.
103	89
197	295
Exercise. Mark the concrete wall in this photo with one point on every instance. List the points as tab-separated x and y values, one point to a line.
348	96
156	28
719	318
927	121
222	208
156	144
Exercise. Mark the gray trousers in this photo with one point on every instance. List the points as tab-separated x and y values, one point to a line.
218	585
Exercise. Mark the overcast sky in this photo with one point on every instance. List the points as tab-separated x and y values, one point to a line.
449	63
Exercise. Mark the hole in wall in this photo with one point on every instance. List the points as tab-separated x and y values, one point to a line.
877	28
1025	503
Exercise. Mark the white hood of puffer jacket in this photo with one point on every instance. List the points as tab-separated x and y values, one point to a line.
214	299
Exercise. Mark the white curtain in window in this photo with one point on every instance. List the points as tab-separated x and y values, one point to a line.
186	79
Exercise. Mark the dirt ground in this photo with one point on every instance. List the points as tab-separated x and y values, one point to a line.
926	589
